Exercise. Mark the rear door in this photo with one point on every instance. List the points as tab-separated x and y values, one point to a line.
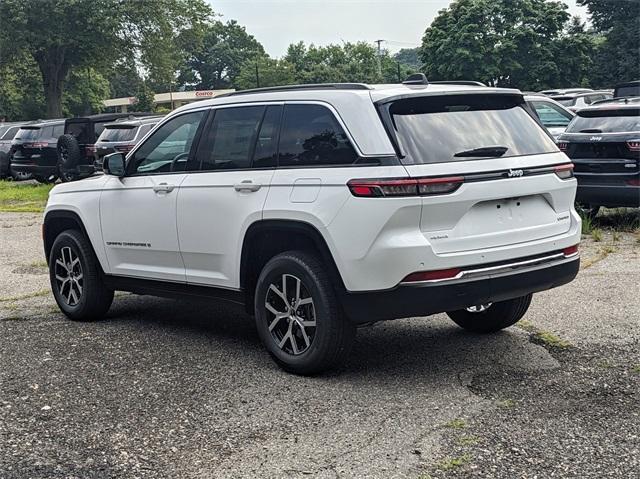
490	170
217	203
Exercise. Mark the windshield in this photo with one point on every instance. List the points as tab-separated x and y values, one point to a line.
123	133
605	124
28	133
462	127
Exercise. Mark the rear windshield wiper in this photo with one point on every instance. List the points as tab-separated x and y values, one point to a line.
484	151
591	130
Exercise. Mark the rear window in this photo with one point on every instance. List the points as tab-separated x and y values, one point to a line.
614	122
118	134
28	133
9	132
465	127
631	90
566	101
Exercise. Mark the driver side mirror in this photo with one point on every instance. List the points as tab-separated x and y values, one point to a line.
113	164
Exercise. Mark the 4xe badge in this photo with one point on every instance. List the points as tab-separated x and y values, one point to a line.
514	173
595	138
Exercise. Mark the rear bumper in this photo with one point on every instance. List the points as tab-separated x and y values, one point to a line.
33	169
431	298
612	196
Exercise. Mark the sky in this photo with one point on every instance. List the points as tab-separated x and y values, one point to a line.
277	23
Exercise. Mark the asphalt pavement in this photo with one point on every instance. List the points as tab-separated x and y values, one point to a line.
182	389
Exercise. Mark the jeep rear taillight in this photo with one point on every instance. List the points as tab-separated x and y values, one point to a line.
124	148
564	172
633	145
563	145
36	144
399	187
90	150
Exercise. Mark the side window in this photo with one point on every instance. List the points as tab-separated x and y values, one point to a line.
267	143
311	136
550	115
168	149
231	138
58	131
11	132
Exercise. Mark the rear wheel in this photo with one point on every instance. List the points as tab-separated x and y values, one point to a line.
298	316
76	279
491	317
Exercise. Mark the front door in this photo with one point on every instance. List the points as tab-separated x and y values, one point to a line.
138	211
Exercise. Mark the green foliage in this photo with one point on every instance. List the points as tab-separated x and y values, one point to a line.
617	58
506	43
216	53
409	57
23	197
270	72
21	96
84	93
144	97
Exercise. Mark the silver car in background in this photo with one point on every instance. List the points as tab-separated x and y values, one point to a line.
552	114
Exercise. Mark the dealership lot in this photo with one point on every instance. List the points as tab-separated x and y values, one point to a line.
165	388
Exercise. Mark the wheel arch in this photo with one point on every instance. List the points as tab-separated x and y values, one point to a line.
265	239
57	221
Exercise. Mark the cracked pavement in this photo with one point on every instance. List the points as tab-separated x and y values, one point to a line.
166	388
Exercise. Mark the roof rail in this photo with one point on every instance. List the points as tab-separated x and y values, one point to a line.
459	82
310	86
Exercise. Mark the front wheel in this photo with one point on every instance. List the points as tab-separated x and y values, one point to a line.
76	279
298	316
491	317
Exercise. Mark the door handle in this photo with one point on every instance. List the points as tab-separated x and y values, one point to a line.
247	185
163	188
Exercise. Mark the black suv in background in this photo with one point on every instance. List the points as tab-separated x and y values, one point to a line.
7	132
603	142
629	89
77	149
121	136
33	150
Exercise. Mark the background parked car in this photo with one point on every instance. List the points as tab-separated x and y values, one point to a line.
577	101
122	136
565	91
7	132
34	151
77	149
603	142
629	89
552	114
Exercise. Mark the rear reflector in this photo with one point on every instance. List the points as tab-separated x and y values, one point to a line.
395	187
634	182
570	251
432	275
565	171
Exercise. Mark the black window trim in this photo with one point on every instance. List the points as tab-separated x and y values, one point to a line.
192	151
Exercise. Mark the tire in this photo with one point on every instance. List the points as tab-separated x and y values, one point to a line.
496	317
90	299
331	335
588	211
69	156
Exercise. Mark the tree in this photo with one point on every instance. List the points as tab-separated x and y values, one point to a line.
62	35
84	93
409	57
144	99
216	52
499	42
618	57
21	95
270	72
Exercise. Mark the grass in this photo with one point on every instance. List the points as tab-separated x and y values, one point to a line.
18	197
636	369
451	463
506	403
468	440
596	234
42	292
456	424
602	254
551	340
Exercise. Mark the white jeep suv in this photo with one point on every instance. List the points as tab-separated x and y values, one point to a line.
324	207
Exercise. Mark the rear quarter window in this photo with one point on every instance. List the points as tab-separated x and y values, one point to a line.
446	128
